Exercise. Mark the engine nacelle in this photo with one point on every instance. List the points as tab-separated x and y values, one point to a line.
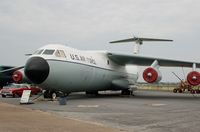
19	77
193	78
152	75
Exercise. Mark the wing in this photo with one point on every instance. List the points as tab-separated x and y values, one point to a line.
147	61
11	69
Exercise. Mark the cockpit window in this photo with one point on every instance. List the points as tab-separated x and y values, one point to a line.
60	53
48	52
38	52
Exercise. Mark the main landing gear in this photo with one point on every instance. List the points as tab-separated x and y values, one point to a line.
53	94
123	92
126	92
48	94
92	93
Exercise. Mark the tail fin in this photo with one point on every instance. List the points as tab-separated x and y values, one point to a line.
139	41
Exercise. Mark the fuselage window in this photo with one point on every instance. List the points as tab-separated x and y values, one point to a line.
60	53
48	52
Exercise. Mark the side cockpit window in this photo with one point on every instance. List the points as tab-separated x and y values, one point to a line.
60	53
38	52
48	52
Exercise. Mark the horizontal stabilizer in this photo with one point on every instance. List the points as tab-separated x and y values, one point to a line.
139	40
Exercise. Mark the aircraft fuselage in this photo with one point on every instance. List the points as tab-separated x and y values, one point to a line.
61	68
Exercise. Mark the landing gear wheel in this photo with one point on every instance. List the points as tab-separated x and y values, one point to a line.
180	90
197	91
47	94
50	94
15	95
126	92
175	90
92	93
53	96
192	91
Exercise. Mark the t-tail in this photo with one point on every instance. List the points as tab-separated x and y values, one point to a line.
139	41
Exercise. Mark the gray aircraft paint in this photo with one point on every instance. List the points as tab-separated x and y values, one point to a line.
68	75
73	77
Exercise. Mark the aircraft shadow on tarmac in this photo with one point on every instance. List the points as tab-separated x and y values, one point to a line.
139	95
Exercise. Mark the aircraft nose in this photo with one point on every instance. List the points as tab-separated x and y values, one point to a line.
36	70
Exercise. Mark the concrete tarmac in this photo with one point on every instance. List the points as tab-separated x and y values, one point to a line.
18	119
147	111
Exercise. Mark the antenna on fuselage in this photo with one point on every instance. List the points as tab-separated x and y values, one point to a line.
138	42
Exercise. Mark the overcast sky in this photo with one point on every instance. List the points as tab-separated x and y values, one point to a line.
26	25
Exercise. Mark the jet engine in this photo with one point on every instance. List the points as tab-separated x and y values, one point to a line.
193	78
152	75
19	77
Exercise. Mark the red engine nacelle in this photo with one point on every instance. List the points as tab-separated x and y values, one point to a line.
17	76
152	75
193	78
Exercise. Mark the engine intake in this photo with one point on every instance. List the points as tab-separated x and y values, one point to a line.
193	78
151	75
17	76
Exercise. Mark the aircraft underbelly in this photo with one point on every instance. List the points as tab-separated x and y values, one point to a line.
75	77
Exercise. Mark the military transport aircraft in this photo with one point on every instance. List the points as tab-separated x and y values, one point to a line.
57	67
5	78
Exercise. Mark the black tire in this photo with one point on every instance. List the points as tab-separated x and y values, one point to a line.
180	91
15	95
3	96
126	92
175	90
192	91
96	93
197	91
47	94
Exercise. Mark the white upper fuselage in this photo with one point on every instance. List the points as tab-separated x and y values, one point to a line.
75	70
